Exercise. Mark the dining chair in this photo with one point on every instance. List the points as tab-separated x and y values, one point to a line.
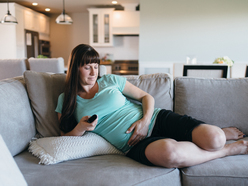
214	71
54	65
12	67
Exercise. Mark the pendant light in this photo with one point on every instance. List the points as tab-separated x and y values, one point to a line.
63	18
8	19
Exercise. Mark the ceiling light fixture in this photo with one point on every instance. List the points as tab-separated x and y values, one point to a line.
63	18
8	19
114	2
34	4
47	9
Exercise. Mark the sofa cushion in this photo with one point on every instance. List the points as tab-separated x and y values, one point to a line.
43	90
10	174
98	170
17	125
231	170
222	102
158	85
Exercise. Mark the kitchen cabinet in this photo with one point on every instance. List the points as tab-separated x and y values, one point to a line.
126	22
38	22
100	25
44	31
43	24
31	20
108	65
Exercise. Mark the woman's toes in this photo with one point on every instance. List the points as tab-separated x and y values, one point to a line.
233	133
241	136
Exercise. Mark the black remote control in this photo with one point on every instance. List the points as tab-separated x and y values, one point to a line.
92	118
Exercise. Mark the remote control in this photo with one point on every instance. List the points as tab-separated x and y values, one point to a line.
92	118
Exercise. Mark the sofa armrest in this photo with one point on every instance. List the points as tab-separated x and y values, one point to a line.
10	174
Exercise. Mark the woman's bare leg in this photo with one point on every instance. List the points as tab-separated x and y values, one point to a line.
208	144
209	137
170	153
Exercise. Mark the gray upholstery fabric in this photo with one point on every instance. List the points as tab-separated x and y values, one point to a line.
43	90
54	65
158	85
228	171
99	170
222	102
16	117
12	68
9	172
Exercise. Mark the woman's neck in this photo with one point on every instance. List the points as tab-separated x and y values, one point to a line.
88	92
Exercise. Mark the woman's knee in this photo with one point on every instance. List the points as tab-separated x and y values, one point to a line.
209	137
163	153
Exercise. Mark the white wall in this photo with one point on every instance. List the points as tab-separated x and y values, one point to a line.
20	34
170	30
8	35
64	38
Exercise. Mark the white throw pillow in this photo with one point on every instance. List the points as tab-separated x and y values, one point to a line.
52	150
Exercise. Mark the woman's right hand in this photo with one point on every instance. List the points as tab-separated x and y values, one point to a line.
81	127
85	126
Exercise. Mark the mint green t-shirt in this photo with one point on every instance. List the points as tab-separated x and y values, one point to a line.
115	113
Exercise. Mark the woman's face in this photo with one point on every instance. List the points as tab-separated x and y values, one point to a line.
88	74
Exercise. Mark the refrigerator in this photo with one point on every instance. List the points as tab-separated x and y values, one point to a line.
32	43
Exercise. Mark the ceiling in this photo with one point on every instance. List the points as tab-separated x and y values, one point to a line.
56	6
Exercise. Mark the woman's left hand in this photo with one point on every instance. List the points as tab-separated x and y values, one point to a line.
140	132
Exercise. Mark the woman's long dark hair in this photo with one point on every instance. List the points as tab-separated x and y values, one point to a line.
80	55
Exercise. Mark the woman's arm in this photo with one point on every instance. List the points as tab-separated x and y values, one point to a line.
81	127
140	127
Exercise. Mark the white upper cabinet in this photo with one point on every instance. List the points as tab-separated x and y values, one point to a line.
44	24
44	31
31	21
100	20
38	22
126	22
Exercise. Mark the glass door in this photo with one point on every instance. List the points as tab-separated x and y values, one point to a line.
101	26
106	28
95	29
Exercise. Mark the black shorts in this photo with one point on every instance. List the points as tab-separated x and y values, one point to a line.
167	125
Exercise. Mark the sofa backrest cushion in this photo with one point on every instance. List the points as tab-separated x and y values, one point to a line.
43	90
17	125
158	85
222	102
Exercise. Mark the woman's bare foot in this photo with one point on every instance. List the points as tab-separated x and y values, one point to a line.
237	148
233	133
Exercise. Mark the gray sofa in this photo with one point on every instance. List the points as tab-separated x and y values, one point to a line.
27	107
